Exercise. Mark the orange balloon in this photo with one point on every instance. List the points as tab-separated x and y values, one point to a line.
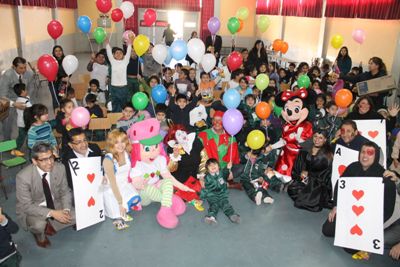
285	47
241	25
277	45
343	98
263	110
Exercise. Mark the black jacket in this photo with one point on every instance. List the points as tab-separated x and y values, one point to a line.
217	43
7	246
69	154
181	116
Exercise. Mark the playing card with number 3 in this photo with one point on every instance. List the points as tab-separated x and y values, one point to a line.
359	216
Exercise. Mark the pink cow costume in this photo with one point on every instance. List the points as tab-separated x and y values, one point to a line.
149	164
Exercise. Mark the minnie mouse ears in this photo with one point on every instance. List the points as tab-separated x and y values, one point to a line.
308	97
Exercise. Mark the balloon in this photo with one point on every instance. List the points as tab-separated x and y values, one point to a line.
196	49
343	98
232	121
263	110
84	24
140	100
255	139
248	91
159	93
234	60
242	13
169	56
231	98
359	35
70	64
104	5
149	16
99	35
233	25
117	15
179	49
80	116
337	86
159	53
48	67
208	62
262	81
303	81
285	47
128	36
263	23
277	45
337	41
277	110
141	44
55	29
213	25
342	111
127	9
241	25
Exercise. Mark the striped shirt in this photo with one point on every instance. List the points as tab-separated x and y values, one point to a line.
41	133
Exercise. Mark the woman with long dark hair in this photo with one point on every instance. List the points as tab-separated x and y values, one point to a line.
258	55
311	187
59	86
343	60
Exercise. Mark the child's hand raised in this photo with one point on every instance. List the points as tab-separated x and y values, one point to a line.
229	166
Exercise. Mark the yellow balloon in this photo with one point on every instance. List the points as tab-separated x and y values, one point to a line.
255	139
337	41
141	44
263	23
242	13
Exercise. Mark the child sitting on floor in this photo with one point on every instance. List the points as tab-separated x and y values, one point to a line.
330	122
216	192
93	108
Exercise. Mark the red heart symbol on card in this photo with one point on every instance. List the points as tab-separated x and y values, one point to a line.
358	194
373	134
91	177
91	202
341	169
152	174
356	230
357	209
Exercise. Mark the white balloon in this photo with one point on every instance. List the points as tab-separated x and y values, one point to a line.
159	53
127	9
208	62
196	49
70	64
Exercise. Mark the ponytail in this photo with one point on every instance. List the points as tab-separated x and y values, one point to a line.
31	114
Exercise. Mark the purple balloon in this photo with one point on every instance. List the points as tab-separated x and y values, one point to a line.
337	86
213	25
232	121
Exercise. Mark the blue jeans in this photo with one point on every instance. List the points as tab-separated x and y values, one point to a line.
119	96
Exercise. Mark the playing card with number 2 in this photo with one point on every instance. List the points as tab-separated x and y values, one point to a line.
359	216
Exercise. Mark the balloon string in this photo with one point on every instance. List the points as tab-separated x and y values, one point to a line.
90	43
54	92
109	39
231	148
152	104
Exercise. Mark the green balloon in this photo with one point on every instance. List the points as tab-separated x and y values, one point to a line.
233	25
99	35
277	111
263	23
140	101
303	81
262	81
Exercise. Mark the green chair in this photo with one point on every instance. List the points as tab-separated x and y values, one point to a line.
6	146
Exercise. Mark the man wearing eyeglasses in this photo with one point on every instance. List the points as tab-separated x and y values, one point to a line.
78	147
43	198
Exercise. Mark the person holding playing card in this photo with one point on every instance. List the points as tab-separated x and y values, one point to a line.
368	166
119	194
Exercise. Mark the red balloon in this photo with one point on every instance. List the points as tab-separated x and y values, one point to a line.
117	14
104	5
234	60
149	17
48	67
55	29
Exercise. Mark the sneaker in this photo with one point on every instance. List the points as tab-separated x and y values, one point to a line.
210	220
127	218
235	218
197	204
120	225
258	198
361	255
17	153
268	200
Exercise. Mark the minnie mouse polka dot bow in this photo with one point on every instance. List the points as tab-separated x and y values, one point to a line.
302	93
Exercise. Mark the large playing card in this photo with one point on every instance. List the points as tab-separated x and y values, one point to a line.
341	159
87	177
359	217
375	131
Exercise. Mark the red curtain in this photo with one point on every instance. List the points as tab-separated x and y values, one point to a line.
41	3
302	8
341	9
8	2
73	4
207	11
269	7
378	9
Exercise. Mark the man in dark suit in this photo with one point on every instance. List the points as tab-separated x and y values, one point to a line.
43	198
78	147
215	41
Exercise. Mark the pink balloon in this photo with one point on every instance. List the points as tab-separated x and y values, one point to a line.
126	35
80	116
337	86
359	35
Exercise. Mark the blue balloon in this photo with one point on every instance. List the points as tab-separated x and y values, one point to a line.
248	91
179	49
231	98
84	24
169	57
159	93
